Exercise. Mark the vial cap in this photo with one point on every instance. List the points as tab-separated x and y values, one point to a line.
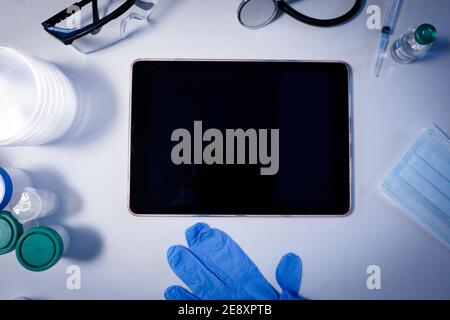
10	231
39	249
425	34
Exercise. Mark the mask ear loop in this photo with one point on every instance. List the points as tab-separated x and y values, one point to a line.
320	22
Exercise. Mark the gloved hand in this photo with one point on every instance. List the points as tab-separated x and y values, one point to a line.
214	267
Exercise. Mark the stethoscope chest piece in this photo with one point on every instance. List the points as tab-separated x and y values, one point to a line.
255	14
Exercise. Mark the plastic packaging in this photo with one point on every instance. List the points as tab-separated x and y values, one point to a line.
37	102
32	204
12	182
420	183
39	249
414	44
10	231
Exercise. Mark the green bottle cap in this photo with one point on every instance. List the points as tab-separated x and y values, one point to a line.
39	249
10	231
425	34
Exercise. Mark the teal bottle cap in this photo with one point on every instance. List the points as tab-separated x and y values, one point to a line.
39	249
425	34
10	231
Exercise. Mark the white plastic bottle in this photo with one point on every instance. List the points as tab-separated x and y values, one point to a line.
414	44
32	204
24	202
12	182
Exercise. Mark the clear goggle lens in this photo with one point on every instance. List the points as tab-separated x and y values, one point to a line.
124	26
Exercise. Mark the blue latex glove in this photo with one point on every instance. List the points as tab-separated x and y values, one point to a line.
214	267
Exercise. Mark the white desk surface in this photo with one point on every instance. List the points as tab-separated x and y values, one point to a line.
124	257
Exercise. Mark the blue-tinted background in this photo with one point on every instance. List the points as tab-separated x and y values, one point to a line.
124	257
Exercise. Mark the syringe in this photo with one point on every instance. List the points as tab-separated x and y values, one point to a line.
386	32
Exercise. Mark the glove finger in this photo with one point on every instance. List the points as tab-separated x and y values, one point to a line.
289	274
202	282
178	293
286	296
219	253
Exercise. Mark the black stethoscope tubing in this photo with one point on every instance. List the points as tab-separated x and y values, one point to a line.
282	5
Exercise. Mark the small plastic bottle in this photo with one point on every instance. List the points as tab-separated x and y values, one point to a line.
12	181
414	44
25	203
32	204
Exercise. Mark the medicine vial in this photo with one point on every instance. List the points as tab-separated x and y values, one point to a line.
414	44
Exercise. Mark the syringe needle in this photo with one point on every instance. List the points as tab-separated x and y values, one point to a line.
387	30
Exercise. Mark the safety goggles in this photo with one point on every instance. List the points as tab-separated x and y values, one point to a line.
91	25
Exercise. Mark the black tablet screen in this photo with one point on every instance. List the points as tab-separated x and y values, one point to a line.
239	137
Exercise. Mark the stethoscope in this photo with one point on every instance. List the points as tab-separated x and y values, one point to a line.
258	13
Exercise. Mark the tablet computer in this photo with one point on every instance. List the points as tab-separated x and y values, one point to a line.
257	138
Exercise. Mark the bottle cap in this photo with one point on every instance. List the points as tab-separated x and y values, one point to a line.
425	34
10	231
39	249
6	188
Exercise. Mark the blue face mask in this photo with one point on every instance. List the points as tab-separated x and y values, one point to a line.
420	182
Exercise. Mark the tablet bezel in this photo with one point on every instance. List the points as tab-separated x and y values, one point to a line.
350	143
